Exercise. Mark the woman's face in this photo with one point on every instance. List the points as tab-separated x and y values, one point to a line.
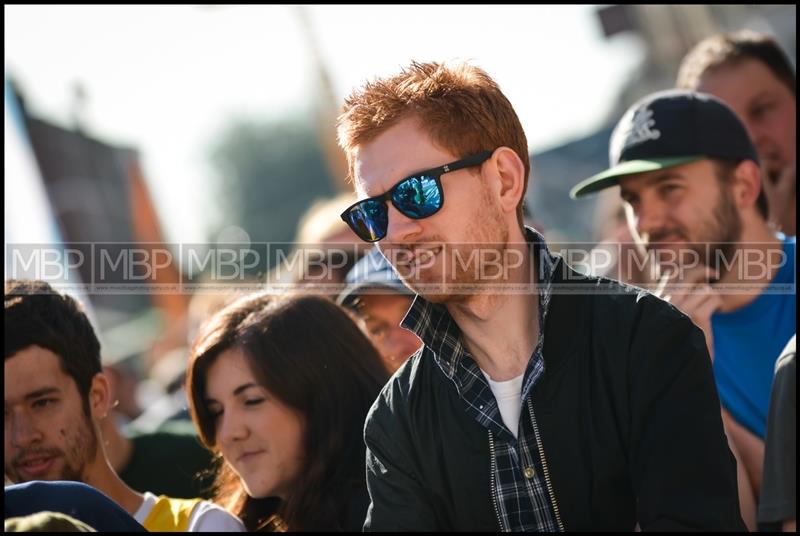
260	437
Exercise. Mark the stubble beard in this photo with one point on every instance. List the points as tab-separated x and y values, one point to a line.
488	238
80	449
724	231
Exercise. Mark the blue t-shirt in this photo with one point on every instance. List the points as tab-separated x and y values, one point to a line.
747	342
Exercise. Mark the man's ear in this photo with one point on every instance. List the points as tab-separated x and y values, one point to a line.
511	178
99	396
747	184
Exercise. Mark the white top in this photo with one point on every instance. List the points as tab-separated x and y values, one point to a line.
206	516
509	400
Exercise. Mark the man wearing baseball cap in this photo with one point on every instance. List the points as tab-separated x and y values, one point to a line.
376	294
689	174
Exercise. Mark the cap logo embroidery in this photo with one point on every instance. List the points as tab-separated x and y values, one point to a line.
642	128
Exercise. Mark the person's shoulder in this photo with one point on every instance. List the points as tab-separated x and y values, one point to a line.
210	517
568	280
620	310
71	491
786	361
408	382
614	299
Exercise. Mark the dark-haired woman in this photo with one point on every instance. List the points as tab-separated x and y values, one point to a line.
280	388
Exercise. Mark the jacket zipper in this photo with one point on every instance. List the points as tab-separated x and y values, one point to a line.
544	467
491	483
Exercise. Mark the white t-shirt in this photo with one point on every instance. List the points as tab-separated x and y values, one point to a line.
206	516
509	399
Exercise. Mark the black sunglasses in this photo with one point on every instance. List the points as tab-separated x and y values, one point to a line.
418	196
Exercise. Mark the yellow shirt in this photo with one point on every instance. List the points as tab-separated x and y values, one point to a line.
170	515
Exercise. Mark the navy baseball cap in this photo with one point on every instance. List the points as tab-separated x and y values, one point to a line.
667	129
371	272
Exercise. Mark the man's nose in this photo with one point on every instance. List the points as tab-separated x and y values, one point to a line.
24	431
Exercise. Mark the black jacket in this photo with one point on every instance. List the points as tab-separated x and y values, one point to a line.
627	410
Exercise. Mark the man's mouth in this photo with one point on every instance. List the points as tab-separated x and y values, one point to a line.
661	241
408	260
36	466
422	257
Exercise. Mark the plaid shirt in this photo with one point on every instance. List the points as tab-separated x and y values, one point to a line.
520	494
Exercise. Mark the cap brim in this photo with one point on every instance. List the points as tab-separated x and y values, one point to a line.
610	177
354	291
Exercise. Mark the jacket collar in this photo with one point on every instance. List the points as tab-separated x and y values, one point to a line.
432	323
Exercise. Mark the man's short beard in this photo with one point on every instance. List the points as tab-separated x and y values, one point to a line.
727	228
84	449
488	231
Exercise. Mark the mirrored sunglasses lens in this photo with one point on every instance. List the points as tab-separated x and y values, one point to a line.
369	220
417	197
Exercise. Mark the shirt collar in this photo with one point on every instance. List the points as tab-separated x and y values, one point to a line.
432	323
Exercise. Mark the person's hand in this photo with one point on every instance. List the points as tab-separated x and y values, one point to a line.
780	196
691	292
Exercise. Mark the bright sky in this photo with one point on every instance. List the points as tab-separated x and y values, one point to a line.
168	79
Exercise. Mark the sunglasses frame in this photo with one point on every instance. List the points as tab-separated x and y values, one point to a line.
434	173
